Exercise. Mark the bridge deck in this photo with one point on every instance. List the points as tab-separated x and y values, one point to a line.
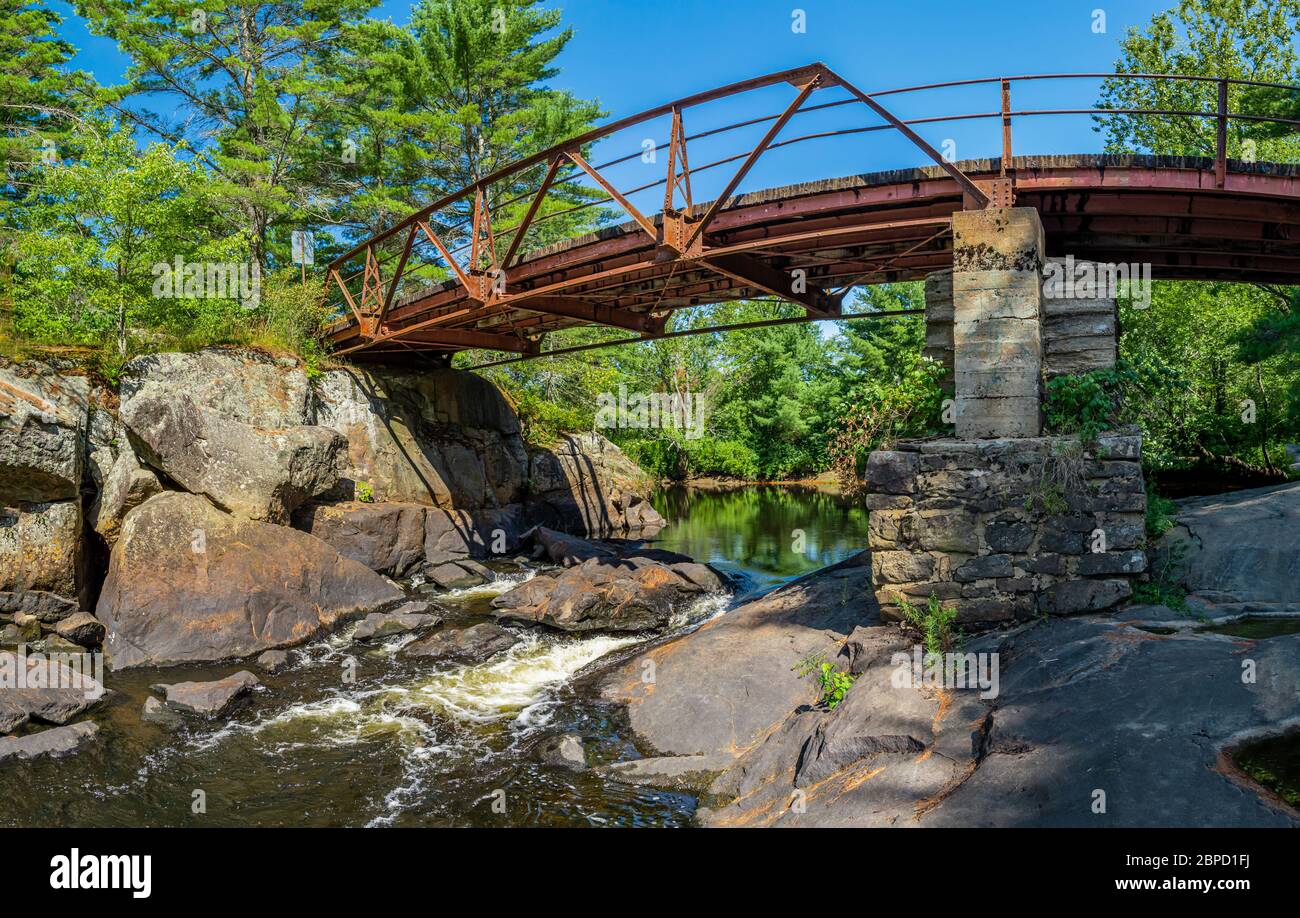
874	228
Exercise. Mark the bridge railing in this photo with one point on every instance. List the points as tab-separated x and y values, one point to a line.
478	234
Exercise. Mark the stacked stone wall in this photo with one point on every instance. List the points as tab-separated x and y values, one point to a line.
1007	529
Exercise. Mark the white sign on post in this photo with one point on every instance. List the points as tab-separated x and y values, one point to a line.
304	249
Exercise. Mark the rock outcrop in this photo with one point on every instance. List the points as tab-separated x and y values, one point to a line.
438	437
1051	718
389	471
188	583
43	420
693	698
44	417
258	473
628	590
1238	549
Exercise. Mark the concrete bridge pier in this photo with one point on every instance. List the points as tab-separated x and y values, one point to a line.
997	292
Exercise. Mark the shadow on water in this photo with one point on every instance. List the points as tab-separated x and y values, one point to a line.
1273	762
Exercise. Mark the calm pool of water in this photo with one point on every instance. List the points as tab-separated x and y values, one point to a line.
765	534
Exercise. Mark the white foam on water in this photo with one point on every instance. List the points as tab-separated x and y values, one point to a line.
512	682
503	583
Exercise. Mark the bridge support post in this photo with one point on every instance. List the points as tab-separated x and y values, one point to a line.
997	297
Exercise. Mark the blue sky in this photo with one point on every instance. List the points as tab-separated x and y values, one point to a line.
633	54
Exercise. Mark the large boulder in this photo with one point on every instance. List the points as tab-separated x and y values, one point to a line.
40	548
689	696
631	593
384	537
258	473
123	486
440	437
245	386
43	420
189	583
1078	706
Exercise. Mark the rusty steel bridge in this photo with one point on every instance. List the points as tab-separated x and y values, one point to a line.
451	277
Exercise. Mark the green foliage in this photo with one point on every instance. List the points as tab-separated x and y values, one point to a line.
250	77
1243	39
1160	514
433	107
40	100
364	492
934	623
1201	354
1164	588
835	684
1087	404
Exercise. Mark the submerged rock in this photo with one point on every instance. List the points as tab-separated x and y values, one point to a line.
154	711
207	699
53	743
274	661
409	617
188	583
469	646
565	751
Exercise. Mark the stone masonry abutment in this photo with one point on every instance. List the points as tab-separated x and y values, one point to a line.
1000	521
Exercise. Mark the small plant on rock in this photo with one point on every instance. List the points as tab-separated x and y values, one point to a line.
833	681
934	624
364	492
835	684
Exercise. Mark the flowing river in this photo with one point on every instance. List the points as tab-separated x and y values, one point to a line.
355	735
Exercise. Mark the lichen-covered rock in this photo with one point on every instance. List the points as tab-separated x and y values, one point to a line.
126	484
244	386
43	420
189	583
258	473
40	548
